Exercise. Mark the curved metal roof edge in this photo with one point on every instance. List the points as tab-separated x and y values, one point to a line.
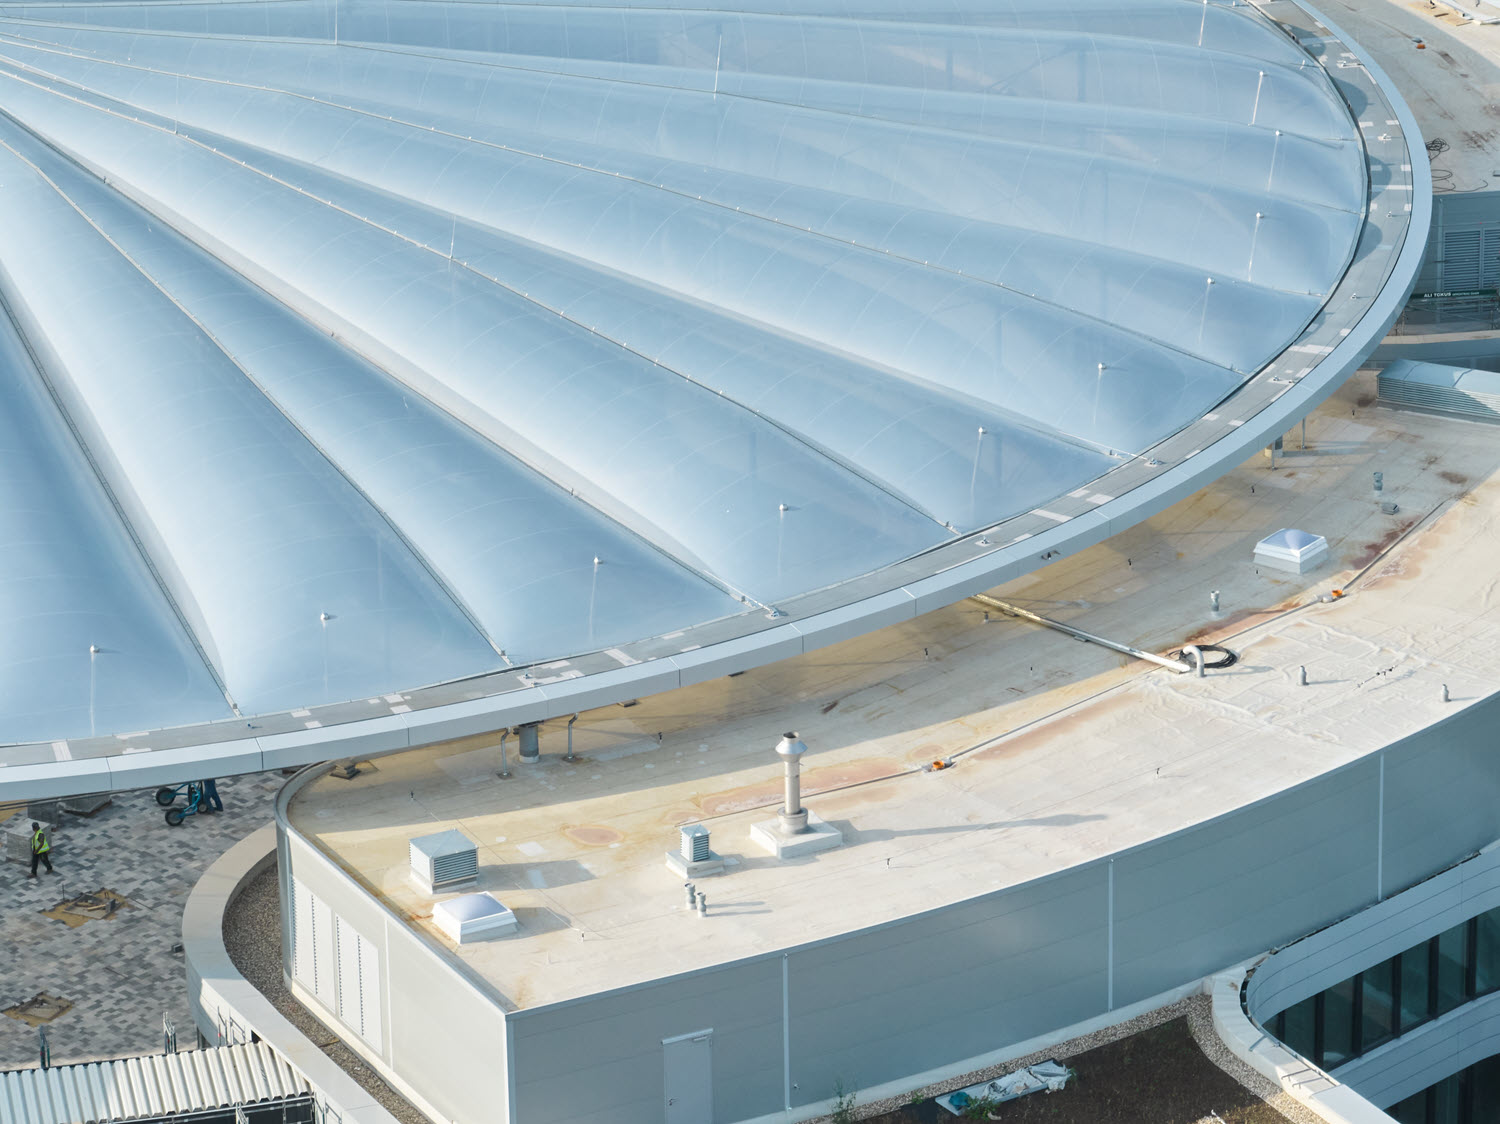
133	766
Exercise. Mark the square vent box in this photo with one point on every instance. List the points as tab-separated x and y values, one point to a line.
1291	550
447	860
473	917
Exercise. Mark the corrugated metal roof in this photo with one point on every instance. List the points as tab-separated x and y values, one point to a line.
150	1086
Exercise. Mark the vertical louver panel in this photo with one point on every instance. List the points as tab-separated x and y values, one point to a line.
1462	265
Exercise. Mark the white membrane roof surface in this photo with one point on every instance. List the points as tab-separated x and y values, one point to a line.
354	347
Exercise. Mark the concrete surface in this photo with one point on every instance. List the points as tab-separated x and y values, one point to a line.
1066	752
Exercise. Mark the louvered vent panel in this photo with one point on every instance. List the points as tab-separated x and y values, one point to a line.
455	868
448	858
1429	396
1462	265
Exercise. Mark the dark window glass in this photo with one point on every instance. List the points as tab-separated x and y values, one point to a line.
1447	1104
1338	1024
1487	953
1378	1014
1413	1110
1414	987
1484	1087
1453	948
1297	1028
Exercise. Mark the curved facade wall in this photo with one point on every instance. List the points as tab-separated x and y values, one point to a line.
1016	963
1432	1050
429	340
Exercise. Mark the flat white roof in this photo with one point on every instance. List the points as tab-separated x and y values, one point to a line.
1065	751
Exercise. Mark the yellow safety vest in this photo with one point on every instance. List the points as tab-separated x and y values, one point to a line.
40	844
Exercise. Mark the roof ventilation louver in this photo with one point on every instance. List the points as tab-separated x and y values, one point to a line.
695	843
1463	391
444	861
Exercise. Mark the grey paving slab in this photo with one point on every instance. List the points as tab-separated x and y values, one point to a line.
121	974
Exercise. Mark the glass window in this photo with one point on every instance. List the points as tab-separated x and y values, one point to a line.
1447	1101
1378	1011
1487	953
1338	1025
1484	1082
1297	1028
1413	1110
1414	1009
1452	969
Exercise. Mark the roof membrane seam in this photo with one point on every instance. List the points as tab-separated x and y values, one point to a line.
655	544
717	580
692	200
108	490
828	454
420	556
492	62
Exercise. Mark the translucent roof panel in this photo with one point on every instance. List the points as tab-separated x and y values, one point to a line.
90	640
430	338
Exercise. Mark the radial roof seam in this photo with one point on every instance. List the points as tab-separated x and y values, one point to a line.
1034	423
52	48
657	544
978	31
854	470
501	61
1029	422
493	62
128	525
886	487
438	578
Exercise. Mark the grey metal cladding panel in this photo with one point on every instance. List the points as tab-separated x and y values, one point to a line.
1188	905
903	998
1425	827
257	533
70	578
621	1034
444	1035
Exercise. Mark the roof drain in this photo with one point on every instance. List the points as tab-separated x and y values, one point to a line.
1078	634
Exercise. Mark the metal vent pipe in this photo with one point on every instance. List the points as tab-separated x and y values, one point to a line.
793	815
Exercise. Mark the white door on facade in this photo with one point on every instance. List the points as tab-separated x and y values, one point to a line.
688	1065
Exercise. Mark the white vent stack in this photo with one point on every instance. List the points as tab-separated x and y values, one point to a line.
792	816
473	917
795	831
444	861
1291	550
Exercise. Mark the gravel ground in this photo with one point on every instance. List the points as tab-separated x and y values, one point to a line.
252	934
1199	1016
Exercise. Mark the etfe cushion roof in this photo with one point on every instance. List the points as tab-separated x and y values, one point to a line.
426	338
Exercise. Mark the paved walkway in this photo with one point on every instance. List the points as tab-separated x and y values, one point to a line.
120	974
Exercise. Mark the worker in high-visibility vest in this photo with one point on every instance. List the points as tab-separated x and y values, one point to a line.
40	845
